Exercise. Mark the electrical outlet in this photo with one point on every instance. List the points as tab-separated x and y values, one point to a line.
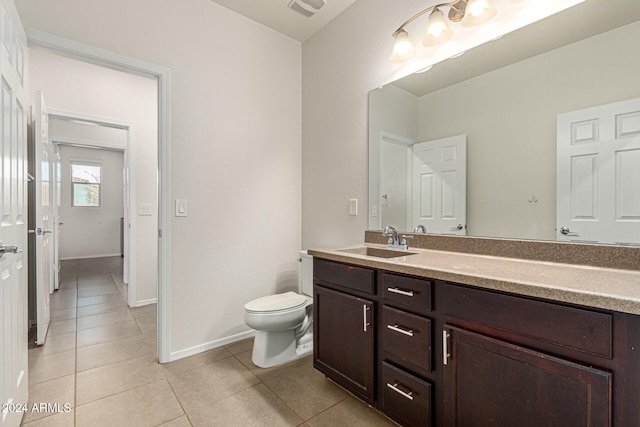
353	206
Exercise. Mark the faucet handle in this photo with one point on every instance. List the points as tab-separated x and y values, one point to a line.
404	241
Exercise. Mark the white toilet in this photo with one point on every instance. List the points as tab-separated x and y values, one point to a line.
283	322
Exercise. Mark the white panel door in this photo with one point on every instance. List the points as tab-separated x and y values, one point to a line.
13	218
440	185
599	174
43	217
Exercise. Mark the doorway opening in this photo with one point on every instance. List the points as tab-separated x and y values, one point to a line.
81	137
109	60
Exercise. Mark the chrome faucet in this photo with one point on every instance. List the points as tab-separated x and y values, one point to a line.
394	240
393	237
420	228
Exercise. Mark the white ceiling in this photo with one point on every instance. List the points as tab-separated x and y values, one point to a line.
276	14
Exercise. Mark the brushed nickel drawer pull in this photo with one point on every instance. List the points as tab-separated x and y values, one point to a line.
395	388
400	292
396	328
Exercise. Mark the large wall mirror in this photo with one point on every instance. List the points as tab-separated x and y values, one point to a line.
505	97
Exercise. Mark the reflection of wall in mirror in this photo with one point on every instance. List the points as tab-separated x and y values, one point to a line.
392	112
509	116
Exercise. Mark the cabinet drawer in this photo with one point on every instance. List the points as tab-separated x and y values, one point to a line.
407	337
405	397
409	291
582	330
344	275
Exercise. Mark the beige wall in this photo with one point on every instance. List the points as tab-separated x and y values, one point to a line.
101	224
341	64
236	147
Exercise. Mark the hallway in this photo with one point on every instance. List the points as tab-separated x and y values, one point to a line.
99	365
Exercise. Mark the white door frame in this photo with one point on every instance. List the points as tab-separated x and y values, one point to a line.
105	58
129	273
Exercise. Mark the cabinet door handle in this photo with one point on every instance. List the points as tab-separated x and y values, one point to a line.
364	317
445	347
397	328
395	388
400	292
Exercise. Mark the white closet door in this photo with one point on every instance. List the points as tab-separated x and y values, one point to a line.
599	174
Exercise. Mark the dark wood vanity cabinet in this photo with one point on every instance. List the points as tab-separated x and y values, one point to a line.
445	354
490	382
513	360
344	327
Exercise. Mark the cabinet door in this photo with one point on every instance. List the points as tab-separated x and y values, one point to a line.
343	340
493	383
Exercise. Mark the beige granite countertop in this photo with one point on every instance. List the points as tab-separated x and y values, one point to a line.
607	288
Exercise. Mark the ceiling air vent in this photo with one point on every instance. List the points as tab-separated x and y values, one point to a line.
306	7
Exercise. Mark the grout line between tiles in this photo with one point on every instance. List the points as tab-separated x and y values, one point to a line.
184	411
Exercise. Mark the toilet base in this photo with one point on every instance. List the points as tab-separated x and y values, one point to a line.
272	348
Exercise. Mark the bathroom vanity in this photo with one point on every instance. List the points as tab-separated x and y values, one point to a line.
437	338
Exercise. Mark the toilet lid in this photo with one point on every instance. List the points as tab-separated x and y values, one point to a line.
276	302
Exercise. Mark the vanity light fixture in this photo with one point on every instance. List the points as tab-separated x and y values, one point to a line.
403	50
468	13
424	70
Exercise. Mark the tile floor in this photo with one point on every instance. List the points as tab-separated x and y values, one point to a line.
100	360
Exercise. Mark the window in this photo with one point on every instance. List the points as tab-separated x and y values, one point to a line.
85	184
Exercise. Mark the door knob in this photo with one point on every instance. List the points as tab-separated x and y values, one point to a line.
457	227
9	250
39	231
567	232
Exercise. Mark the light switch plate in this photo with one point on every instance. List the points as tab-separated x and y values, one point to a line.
144	209
353	207
181	207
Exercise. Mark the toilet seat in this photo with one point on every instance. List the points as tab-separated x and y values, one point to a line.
279	302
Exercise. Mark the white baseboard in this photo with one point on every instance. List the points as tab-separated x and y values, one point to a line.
176	355
145	302
71	258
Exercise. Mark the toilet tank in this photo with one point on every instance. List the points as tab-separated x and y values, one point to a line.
305	274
